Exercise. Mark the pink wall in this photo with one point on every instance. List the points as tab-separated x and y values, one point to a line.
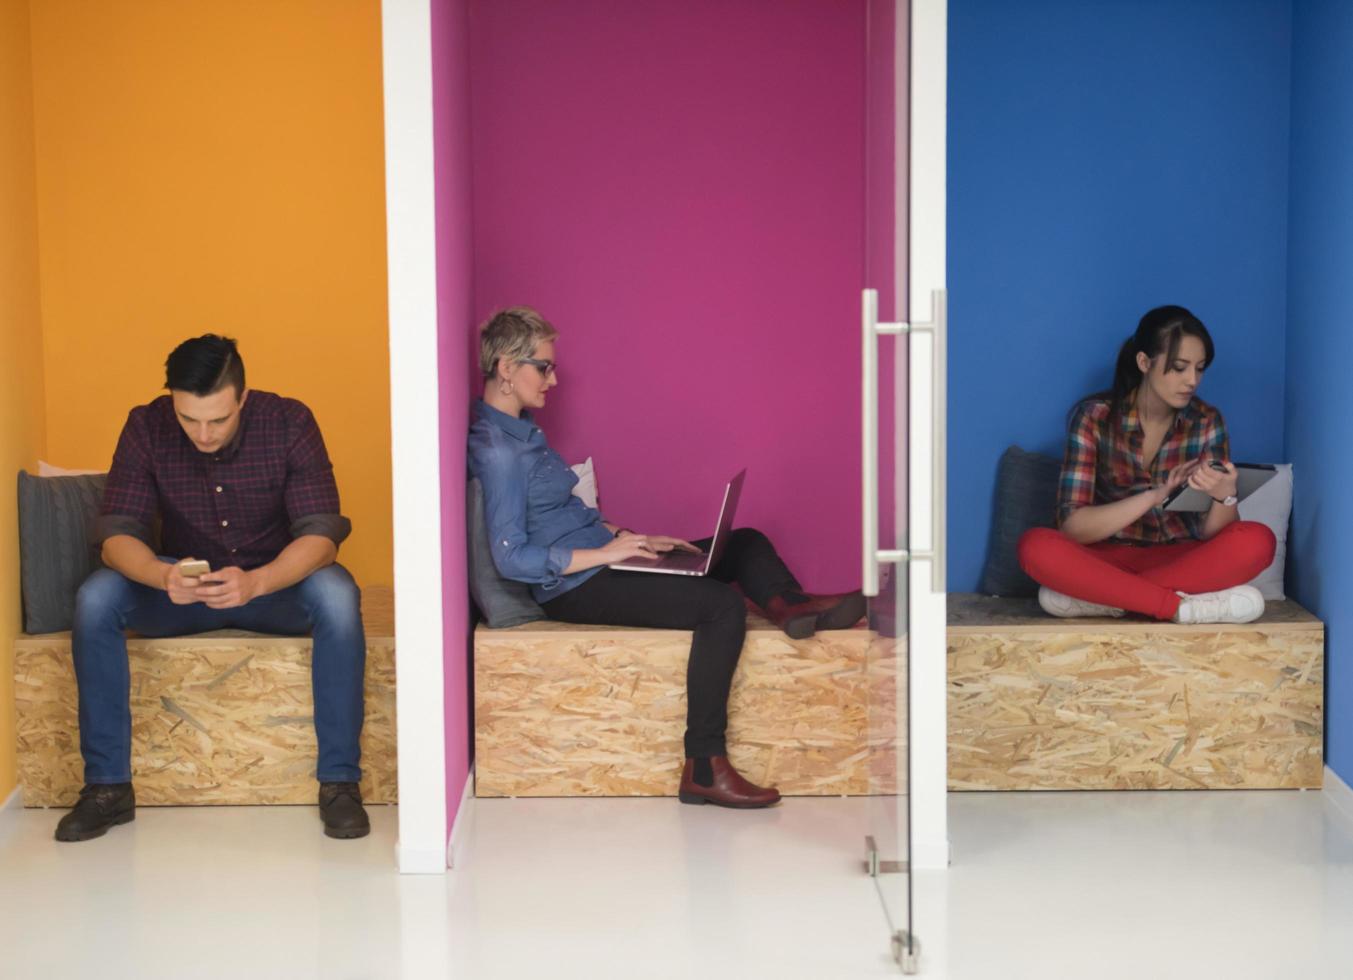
679	186
882	256
451	125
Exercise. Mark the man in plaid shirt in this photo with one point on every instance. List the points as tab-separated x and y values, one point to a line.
241	480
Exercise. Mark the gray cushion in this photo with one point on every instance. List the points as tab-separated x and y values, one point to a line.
502	602
56	549
1026	497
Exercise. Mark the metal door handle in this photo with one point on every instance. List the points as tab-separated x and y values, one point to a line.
872	330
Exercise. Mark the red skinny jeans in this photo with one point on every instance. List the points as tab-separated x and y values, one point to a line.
1146	579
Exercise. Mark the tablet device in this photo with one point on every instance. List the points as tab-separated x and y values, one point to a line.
1249	478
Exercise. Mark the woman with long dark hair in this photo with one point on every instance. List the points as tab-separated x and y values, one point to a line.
1116	548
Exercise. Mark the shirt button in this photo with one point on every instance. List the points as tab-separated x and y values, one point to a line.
233	550
218	489
225	524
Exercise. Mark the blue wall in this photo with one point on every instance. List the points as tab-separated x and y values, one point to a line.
1320	347
1104	158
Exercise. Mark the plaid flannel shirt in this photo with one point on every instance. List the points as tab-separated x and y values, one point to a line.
1103	464
240	506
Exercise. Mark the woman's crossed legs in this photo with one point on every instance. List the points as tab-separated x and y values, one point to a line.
1146	580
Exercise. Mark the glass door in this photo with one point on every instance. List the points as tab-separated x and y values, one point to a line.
885	469
903	314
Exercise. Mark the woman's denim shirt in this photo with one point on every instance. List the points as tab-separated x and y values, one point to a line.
534	520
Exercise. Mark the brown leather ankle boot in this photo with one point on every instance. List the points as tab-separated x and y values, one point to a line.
801	620
727	787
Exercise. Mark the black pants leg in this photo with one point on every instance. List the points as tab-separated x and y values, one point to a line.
707	605
751	561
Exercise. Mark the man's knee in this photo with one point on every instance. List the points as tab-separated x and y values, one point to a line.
331	594
104	597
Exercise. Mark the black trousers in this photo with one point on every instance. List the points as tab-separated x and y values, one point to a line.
708	605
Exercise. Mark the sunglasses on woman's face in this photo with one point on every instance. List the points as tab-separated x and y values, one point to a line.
546	368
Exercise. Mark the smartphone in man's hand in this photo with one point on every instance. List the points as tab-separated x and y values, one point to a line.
194	569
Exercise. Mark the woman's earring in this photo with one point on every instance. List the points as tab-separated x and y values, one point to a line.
505	387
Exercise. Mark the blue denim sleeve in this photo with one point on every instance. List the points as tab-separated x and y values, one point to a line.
499	471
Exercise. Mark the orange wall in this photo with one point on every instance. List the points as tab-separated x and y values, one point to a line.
217	165
21	400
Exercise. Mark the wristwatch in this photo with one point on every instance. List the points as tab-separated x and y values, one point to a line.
1230	501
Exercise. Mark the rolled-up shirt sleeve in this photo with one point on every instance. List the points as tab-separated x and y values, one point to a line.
515	557
1216	443
1076	486
130	497
311	493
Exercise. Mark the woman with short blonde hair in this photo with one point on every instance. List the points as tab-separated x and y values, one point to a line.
511	336
540	533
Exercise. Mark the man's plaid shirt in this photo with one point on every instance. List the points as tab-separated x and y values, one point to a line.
240	506
1103	464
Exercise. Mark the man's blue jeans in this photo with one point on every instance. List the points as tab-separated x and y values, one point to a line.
327	602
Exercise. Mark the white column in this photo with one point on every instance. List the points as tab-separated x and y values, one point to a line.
410	192
929	690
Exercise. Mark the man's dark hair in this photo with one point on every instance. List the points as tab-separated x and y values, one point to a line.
204	365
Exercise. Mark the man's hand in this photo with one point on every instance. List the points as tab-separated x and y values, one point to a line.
183	591
227	588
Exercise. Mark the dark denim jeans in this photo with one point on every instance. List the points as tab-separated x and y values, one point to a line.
327	602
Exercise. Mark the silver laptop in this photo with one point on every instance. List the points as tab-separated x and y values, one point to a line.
684	562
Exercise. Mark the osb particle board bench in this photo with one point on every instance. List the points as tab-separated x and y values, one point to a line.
567	710
1041	703
223	717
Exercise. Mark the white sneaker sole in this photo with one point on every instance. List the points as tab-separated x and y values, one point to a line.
1065	607
1251	601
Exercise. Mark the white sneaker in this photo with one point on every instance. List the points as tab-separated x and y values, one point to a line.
1056	604
1243	604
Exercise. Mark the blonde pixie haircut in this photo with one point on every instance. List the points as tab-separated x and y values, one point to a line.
513	334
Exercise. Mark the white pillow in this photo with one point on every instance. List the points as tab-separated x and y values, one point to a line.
47	469
586	487
1271	504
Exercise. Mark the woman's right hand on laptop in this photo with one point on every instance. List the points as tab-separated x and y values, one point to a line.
662	543
627	545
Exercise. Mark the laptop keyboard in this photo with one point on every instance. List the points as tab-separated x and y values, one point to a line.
683	559
673	559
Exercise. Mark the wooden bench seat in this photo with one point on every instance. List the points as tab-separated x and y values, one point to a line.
224	717
1042	703
565	710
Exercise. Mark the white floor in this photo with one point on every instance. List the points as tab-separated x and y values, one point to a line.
1084	886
